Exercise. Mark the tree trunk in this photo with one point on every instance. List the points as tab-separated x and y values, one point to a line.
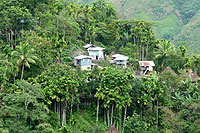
64	113
108	117
14	79
77	107
163	63
97	111
147	50
141	113
55	106
124	119
15	38
117	124
58	109
71	110
157	116
104	113
9	39
22	71
111	120
120	121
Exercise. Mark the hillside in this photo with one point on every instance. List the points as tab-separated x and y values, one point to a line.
174	19
51	83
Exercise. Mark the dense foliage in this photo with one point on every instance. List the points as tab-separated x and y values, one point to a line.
42	91
175	20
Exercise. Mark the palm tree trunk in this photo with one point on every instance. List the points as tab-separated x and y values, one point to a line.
163	63
22	71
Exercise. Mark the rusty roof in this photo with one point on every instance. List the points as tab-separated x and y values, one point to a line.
146	63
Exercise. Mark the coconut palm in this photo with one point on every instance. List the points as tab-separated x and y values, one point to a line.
24	55
164	49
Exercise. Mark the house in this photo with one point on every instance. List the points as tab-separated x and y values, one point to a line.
120	59
112	130
97	53
169	70
192	75
146	67
85	62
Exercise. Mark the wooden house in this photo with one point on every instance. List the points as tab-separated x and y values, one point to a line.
146	67
85	62
120	59
96	53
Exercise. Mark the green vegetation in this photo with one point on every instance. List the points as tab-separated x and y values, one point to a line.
175	20
42	91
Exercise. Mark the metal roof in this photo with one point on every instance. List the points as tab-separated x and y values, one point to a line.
121	58
88	45
96	48
82	57
117	55
146	63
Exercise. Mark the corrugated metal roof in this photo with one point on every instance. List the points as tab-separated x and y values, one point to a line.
82	57
96	48
88	45
117	55
121	58
146	63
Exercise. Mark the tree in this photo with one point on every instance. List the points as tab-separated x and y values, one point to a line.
24	55
115	85
164	49
24	107
60	84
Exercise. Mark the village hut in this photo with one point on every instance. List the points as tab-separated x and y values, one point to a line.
192	75
168	69
96	53
146	67
120	60
85	62
112	130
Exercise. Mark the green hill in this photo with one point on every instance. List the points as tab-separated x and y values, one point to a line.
176	20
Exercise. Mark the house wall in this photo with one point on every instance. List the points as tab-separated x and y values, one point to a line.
123	62
86	62
95	53
86	67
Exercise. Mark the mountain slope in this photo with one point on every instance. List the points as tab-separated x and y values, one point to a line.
191	34
171	17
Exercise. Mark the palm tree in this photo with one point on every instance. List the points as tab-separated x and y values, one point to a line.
164	49
24	55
